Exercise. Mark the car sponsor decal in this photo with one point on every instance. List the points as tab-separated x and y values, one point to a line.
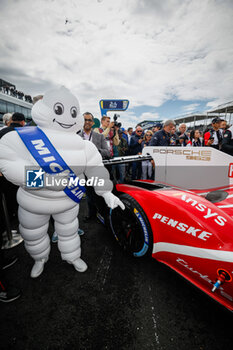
204	277
181	226
204	155
230	172
185	264
207	212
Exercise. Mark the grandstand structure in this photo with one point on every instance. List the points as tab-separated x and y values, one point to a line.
200	120
12	101
148	124
203	120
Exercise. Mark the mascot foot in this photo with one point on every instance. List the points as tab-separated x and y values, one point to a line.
79	265
38	268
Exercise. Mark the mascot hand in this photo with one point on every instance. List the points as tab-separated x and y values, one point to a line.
113	201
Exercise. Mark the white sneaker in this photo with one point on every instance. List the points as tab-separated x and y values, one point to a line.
79	265
38	268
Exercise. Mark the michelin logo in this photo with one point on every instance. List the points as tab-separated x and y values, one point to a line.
35	178
146	236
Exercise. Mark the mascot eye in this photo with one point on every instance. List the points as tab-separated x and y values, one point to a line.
58	108
73	112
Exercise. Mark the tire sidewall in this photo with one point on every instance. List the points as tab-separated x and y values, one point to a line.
136	210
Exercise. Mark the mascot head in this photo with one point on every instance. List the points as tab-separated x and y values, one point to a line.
58	110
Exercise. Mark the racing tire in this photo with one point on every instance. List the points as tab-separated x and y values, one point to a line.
131	227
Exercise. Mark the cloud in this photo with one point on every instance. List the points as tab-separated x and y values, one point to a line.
190	108
148	51
148	116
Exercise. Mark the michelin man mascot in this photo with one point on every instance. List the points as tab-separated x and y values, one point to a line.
56	150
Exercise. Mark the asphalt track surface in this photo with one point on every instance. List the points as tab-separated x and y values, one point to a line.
120	302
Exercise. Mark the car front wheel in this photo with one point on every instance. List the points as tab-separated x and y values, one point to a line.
131	227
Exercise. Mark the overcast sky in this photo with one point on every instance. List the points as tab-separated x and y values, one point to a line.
167	57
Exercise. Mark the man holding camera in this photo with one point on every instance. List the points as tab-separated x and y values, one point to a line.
110	132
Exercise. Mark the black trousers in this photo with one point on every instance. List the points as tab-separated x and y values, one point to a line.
2	229
91	201
9	190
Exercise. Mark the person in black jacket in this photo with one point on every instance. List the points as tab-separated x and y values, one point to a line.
213	137
174	139
195	139
162	137
10	190
7	292
227	141
135	147
183	138
18	120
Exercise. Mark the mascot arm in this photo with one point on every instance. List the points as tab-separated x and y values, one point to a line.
95	169
12	163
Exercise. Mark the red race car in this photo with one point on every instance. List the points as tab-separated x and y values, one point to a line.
184	218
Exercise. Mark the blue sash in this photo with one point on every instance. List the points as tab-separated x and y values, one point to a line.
49	159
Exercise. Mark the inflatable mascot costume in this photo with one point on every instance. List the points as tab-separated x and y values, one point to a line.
54	148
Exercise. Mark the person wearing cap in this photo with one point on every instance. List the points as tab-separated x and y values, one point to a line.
213	137
18	120
227	141
157	127
162	137
124	134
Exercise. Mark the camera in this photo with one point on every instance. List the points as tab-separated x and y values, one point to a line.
115	120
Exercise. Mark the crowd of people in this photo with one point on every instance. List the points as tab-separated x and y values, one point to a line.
113	141
11	90
122	142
